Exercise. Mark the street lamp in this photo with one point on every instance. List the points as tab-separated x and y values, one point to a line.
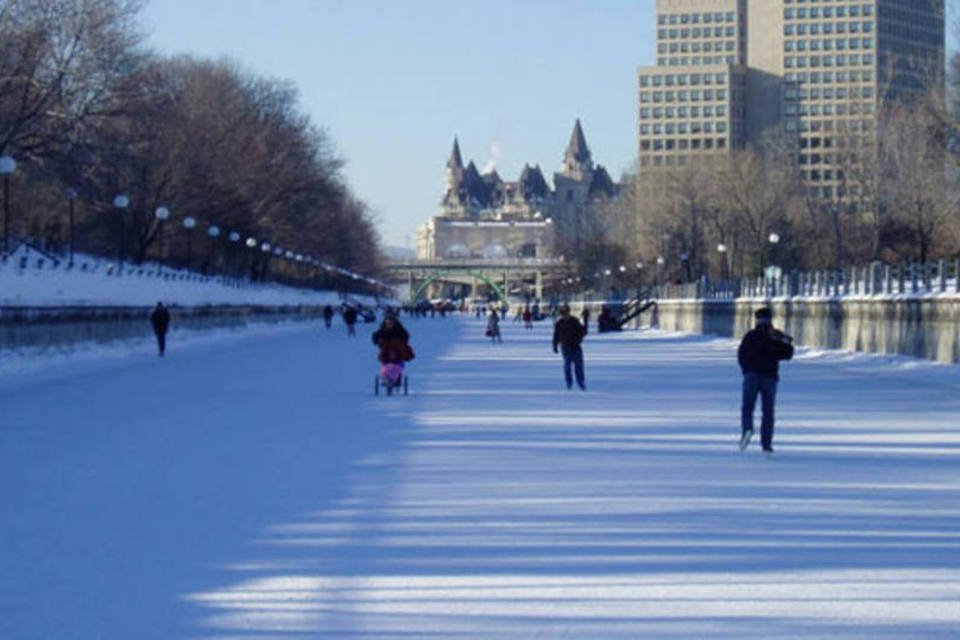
772	273
214	232
774	240
7	166
685	261
120	203
189	223
161	214
660	262
71	197
722	250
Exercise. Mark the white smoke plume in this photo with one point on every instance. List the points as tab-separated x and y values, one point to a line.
491	164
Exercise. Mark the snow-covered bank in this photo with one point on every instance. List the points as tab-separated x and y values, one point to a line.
254	487
28	280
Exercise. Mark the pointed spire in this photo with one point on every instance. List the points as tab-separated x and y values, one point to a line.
577	150
456	160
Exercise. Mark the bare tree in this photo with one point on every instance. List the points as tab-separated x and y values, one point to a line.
919	187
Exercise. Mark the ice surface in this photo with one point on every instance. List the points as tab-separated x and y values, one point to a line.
250	485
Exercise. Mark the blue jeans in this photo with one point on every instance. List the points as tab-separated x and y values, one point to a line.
766	387
573	357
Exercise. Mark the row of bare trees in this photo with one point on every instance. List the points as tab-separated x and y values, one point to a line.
86	110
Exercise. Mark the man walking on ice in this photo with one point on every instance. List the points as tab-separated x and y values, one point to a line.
759	355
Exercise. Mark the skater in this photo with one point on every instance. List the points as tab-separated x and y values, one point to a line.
568	333
393	341
328	316
160	319
586	319
605	320
527	318
350	318
759	355
493	327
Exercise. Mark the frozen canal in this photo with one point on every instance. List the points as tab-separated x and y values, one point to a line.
251	486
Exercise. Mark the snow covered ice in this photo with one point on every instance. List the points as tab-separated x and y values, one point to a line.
249	485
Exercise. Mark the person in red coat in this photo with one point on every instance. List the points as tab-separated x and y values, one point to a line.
393	341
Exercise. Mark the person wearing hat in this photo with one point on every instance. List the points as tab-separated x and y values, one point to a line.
759	355
568	333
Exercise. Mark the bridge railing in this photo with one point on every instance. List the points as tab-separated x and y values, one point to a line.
471	262
932	278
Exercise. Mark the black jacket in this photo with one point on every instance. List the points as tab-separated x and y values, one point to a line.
160	319
762	349
568	333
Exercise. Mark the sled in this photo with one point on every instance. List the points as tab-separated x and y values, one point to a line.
390	386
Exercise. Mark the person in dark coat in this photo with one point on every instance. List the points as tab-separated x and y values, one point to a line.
493	326
604	320
350	319
328	315
759	356
393	341
586	320
160	319
568	333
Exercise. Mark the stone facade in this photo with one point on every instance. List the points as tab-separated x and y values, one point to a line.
484	216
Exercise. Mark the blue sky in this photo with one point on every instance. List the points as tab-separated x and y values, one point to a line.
394	81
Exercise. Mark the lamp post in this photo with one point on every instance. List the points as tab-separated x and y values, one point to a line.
7	166
265	249
120	203
251	244
685	261
660	262
722	250
161	214
234	238
213	231
772	271
189	223
71	198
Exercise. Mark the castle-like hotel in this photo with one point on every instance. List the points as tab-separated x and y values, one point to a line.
485	217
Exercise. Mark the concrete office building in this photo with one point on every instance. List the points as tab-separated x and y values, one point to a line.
817	70
693	101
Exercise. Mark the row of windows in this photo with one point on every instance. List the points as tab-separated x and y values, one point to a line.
802	13
828	77
830	109
815	1
697	47
719	111
826	61
827	125
696	32
695	61
683	95
807	159
828	93
840	44
683	79
682	144
672	128
696	18
675	112
827	28
671	160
